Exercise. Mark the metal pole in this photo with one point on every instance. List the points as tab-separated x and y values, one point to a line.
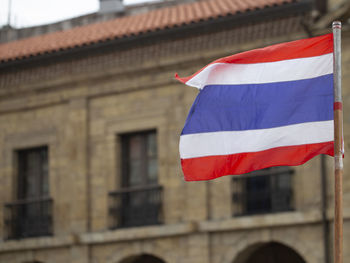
324	209
338	146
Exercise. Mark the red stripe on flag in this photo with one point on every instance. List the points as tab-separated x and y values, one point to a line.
211	167
310	47
184	80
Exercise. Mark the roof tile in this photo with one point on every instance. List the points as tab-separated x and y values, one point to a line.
128	26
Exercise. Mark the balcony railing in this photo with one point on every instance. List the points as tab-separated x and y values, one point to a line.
28	218
265	191
136	206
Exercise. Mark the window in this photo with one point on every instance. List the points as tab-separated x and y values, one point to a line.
265	191
33	173
139	159
30	214
138	202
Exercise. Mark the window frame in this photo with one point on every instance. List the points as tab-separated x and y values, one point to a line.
125	158
22	156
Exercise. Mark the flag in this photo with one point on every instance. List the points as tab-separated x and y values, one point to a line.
261	108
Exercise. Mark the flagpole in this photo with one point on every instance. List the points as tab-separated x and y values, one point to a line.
338	146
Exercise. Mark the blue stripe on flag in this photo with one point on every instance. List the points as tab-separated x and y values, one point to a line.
261	106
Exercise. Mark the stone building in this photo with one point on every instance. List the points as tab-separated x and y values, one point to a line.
90	120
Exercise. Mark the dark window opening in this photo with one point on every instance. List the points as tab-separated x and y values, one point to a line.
274	253
139	200
31	214
145	258
139	159
265	191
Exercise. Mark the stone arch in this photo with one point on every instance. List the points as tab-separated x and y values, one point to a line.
143	258
128	257
269	252
250	241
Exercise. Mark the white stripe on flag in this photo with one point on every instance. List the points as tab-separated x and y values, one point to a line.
232	142
285	70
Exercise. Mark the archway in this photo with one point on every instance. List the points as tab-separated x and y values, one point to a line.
144	258
271	252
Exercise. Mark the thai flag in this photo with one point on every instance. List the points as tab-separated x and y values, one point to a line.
265	107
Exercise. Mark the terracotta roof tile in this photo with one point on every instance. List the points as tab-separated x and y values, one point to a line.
129	26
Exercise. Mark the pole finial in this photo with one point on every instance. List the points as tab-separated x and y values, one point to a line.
336	24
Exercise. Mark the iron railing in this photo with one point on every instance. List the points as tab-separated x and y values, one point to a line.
28	218
265	191
136	206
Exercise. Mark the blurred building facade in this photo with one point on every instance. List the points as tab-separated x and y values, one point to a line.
90	121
